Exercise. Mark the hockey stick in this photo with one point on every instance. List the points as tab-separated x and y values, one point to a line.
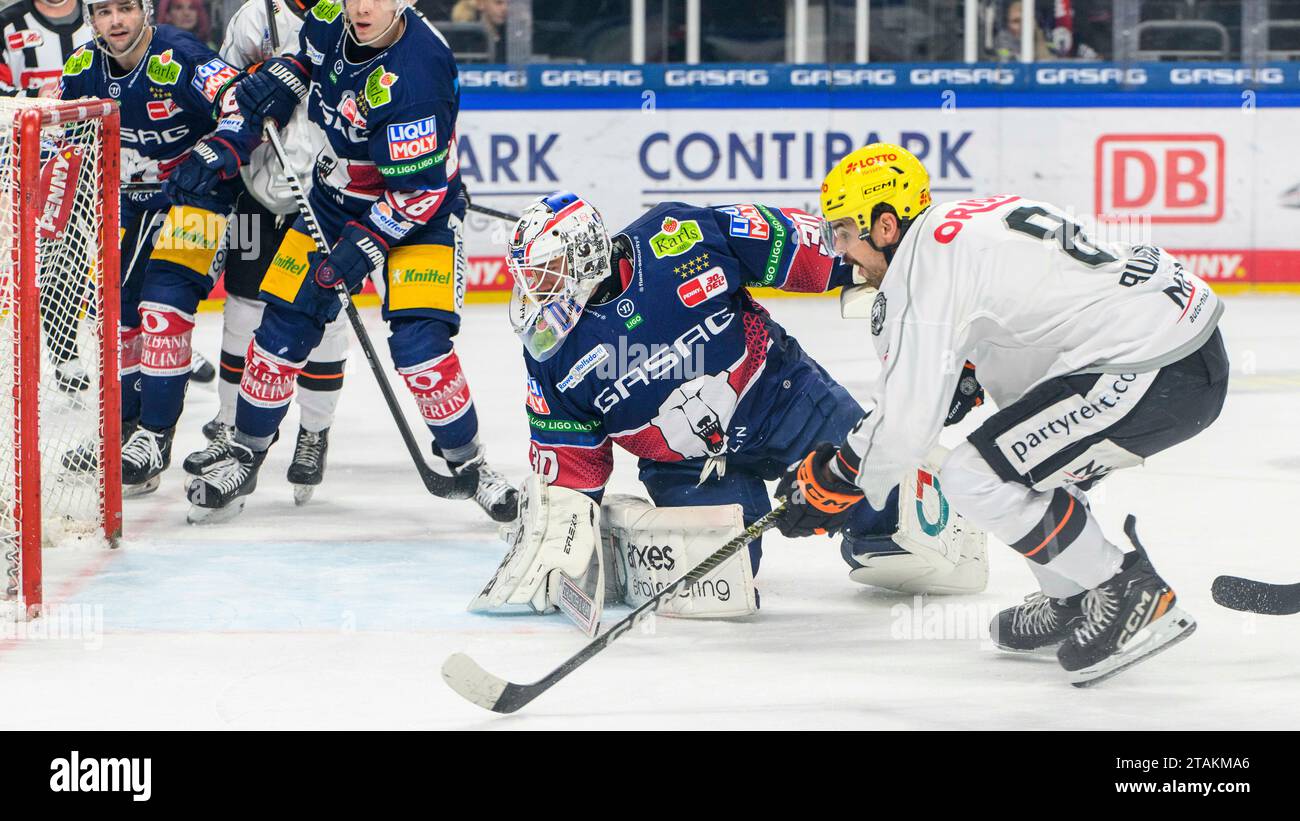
1237	593
140	187
472	682
446	487
492	212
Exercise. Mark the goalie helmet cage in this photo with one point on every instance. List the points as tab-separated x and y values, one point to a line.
60	439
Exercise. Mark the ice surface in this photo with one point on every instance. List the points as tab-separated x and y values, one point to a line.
339	614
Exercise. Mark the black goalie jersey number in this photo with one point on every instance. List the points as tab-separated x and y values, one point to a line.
1040	223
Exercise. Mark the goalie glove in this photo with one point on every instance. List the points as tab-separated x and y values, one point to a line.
818	500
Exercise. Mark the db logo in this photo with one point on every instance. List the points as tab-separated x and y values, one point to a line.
1168	177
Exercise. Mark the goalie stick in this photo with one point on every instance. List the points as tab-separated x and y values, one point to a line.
446	487
1237	593
473	683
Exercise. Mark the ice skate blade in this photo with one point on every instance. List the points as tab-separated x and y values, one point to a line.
1155	638
302	494
144	488
215	515
1046	651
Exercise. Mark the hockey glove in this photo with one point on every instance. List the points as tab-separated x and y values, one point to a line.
817	499
274	91
194	181
350	261
969	394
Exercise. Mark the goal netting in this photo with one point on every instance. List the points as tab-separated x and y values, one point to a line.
59	402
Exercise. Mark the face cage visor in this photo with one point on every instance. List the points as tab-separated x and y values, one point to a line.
545	305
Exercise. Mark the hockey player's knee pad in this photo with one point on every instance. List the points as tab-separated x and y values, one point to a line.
193	239
130	341
165	350
440	388
268	379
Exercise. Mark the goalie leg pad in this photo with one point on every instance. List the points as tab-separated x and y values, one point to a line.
558	531
651	547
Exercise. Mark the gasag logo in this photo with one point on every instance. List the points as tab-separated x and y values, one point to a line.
1167	177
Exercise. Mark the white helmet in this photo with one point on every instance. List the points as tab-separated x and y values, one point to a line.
558	254
87	14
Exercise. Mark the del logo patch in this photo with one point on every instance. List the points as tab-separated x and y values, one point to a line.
675	237
27	38
536	401
162	109
211	76
406	141
709	284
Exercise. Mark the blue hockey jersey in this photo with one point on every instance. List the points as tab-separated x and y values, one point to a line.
168	102
389	118
683	363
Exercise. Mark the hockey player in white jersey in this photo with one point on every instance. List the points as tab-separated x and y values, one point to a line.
267	208
1097	356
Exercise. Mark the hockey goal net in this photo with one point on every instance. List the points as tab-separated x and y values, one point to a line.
60	476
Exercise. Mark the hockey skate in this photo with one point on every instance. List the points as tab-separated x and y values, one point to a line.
84	458
1040	623
1126	620
201	370
308	466
218	448
495	495
144	457
219	495
71	377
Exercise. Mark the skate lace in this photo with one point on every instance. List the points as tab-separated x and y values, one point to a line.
492	486
308	450
226	476
142	449
1036	615
1099	608
221	440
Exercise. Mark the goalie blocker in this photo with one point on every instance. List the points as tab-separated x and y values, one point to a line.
568	553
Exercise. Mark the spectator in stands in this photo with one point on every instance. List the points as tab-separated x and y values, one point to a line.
1006	43
492	14
187	15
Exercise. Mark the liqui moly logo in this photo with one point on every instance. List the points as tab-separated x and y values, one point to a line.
406	141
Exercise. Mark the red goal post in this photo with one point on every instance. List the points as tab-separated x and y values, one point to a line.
60	404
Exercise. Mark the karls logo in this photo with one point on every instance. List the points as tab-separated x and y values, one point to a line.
126	775
1168	177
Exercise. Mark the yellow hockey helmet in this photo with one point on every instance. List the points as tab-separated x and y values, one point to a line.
874	174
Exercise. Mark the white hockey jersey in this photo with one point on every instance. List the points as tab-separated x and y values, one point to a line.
248	40
34	48
1016	288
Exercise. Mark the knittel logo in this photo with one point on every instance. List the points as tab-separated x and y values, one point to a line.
124	775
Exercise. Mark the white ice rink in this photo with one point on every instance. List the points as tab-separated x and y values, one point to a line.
339	614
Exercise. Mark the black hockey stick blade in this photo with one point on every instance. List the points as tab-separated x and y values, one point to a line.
1251	596
492	212
476	685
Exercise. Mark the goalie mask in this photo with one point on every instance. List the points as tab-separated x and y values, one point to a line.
88	14
558	254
